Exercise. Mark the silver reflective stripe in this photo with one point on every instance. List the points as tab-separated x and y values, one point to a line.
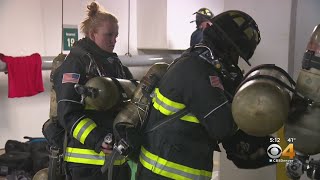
68	100
213	110
173	170
164	105
88	156
84	127
85	156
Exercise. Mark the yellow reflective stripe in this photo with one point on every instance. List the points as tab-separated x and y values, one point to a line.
84	156
161	171
79	126
87	156
86	132
190	118
84	151
83	128
171	164
167	166
162	109
83	160
120	161
168	101
168	107
165	105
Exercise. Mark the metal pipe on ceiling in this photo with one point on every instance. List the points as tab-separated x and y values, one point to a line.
135	60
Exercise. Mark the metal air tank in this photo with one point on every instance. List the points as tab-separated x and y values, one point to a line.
262	101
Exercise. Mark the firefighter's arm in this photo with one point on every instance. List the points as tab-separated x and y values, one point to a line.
208	103
70	109
212	108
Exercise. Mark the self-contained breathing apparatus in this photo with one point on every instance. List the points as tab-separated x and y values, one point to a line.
303	122
99	93
53	131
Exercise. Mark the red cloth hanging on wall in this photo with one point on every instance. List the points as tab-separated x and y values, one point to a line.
24	75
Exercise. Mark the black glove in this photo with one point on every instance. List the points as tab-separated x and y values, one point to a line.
246	151
135	140
54	133
133	137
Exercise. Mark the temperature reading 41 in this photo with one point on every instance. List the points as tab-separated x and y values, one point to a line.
291	140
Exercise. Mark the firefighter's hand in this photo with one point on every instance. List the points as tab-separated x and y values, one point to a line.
106	148
246	151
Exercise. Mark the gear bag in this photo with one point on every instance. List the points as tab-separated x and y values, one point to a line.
30	156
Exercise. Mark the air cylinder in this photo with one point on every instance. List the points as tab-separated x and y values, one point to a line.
261	104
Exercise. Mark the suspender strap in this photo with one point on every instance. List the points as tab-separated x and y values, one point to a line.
120	88
169	119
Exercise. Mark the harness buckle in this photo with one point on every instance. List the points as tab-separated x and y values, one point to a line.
122	147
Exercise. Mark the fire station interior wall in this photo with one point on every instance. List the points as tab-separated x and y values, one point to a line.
168	22
35	26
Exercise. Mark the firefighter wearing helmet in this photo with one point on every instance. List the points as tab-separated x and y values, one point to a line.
203	17
196	92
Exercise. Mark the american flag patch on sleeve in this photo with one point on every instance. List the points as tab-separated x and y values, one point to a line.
70	78
215	82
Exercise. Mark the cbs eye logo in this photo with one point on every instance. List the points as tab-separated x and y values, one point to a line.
274	151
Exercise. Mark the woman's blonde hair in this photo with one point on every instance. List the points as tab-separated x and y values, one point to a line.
96	15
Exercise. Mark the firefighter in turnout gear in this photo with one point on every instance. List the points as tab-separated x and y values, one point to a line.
203	17
203	81
86	128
